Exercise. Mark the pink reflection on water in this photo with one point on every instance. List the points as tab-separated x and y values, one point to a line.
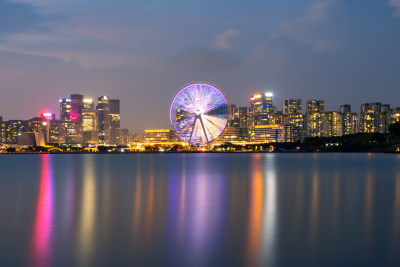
40	248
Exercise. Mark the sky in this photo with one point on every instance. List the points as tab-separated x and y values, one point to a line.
143	51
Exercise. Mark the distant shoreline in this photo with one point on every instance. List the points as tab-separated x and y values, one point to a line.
202	152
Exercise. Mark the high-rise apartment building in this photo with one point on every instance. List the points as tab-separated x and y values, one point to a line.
297	122
104	119
374	117
350	123
333	124
291	106
315	124
115	120
315	106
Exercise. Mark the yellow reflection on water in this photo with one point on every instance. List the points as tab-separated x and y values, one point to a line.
336	201
150	204
255	213
138	200
298	202
87	215
368	206
315	207
396	211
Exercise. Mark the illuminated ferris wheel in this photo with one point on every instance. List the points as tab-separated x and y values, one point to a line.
199	113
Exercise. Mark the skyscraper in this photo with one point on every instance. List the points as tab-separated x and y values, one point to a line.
104	119
76	108
65	109
261	108
89	122
115	119
291	106
70	117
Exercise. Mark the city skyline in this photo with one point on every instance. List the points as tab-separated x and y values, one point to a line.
144	52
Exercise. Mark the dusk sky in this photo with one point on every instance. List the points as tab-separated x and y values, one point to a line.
142	52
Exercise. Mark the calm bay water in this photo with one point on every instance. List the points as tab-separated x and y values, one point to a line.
200	210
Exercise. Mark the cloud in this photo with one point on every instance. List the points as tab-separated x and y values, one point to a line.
310	30
223	40
396	5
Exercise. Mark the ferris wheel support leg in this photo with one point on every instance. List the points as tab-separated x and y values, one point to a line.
191	134
204	130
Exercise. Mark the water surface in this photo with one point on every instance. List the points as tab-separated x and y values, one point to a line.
208	209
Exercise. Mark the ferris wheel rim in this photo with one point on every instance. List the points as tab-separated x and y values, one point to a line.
192	119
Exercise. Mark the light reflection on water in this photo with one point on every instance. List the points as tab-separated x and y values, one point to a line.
200	210
42	234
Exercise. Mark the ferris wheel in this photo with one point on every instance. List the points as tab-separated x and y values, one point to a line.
199	113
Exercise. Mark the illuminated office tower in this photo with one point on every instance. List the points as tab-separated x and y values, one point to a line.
103	117
333	124
350	123
11	130
261	108
315	124
115	120
315	106
76	108
65	109
346	108
89	122
71	127
56	133
291	106
35	125
72	132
